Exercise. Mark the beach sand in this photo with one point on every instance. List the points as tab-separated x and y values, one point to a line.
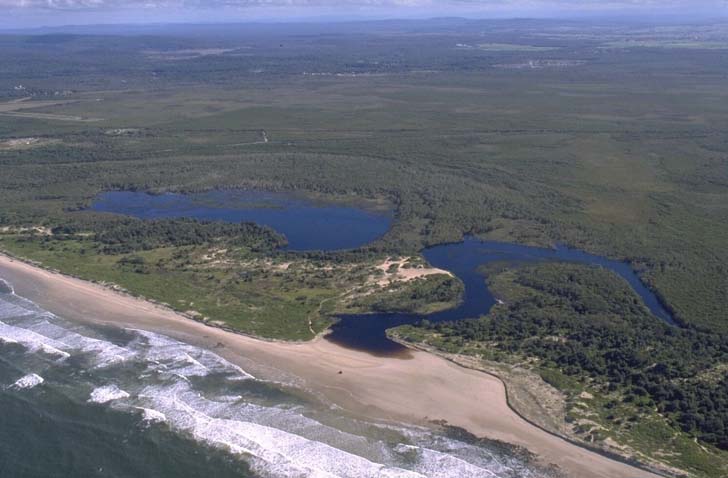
417	388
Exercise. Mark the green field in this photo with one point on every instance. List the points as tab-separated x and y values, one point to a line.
606	137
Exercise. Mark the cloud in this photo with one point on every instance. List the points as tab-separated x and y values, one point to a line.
334	4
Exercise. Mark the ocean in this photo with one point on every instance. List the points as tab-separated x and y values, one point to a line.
90	401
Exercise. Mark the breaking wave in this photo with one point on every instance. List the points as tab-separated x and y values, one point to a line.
106	394
6	287
27	381
196	393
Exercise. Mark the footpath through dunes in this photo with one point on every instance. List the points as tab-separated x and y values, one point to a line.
417	387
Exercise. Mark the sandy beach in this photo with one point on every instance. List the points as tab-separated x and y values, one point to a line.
418	388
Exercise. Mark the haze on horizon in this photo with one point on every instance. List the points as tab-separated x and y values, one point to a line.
39	13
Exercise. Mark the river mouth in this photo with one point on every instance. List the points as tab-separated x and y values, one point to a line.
309	226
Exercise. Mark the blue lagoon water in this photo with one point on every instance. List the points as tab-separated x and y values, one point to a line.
320	227
463	259
307	225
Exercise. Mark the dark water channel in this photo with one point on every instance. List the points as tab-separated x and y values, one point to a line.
310	226
368	331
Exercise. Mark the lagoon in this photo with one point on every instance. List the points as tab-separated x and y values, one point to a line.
307	225
464	259
317	226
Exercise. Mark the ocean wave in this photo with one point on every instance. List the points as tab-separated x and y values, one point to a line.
28	381
284	442
151	416
6	287
167	355
39	330
444	465
272	451
107	393
14	310
280	436
102	353
32	341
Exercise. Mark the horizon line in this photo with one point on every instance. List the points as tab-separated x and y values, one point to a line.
313	20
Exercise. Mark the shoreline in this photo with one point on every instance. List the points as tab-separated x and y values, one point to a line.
421	388
459	360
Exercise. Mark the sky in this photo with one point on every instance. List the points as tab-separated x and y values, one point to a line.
36	13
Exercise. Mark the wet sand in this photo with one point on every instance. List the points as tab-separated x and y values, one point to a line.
417	388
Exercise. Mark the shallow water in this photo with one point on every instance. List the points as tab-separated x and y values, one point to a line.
79	400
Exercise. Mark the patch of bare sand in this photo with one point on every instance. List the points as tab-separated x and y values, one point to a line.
26	143
418	388
25	109
41	230
186	54
402	269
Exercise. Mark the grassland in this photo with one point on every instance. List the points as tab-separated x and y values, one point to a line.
274	295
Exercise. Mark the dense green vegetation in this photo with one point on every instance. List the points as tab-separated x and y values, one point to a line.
582	326
218	282
124	235
423	295
230	275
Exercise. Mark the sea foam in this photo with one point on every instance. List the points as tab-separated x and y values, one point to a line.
32	341
190	390
28	381
102	353
14	310
274	452
435	463
170	356
149	415
106	394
